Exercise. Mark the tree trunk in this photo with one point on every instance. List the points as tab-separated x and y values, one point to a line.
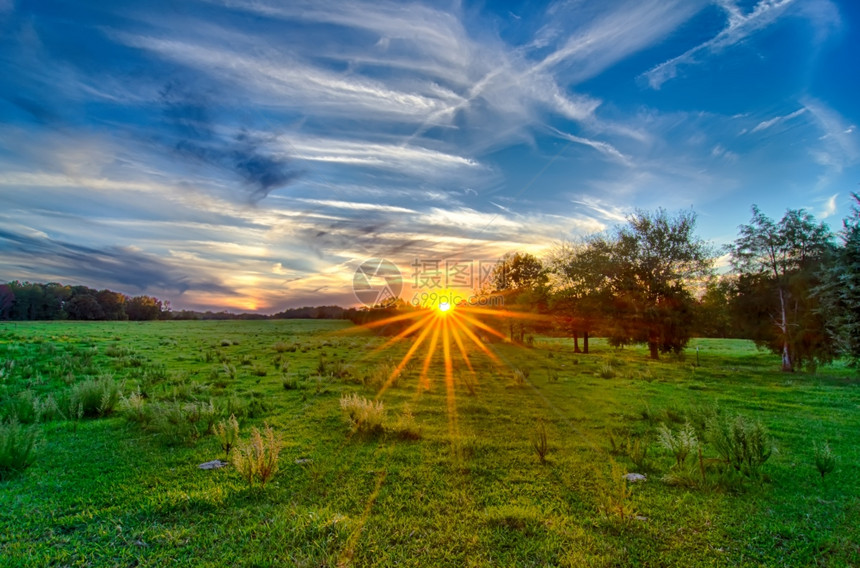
787	366
585	342
653	349
576	342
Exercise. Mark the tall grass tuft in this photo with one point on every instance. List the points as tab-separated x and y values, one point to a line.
257	458
680	444
227	434
825	460
743	444
17	448
365	416
540	442
97	397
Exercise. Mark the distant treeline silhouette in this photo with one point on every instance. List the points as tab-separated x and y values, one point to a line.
34	301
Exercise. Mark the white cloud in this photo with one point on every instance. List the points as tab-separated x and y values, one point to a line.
777	120
738	28
603	147
829	207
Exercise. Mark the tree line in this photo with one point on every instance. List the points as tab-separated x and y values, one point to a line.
54	301
793	287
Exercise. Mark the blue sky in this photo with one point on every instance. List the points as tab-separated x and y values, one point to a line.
250	154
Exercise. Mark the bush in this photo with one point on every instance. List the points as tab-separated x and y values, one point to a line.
97	397
743	444
257	459
364	415
17	448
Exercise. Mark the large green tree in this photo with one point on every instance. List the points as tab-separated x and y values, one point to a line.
779	265
839	292
652	264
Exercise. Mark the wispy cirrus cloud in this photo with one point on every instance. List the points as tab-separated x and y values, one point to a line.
739	26
765	124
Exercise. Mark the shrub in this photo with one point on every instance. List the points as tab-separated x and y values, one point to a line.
680	444
540	443
825	460
743	444
257	459
97	397
17	448
364	415
227	434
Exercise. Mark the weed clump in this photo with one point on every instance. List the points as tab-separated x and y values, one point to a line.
365	416
97	397
17	445
227	434
825	460
743	444
257	458
405	428
540	442
680	444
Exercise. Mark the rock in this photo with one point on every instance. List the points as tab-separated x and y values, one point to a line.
635	477
214	464
641	518
304	460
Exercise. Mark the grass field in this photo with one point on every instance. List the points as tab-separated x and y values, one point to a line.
452	477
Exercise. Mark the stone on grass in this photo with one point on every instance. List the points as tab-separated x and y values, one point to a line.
214	464
635	477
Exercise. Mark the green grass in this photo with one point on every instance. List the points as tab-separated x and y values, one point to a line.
468	489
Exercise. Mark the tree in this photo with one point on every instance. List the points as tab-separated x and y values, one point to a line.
579	287
85	307
141	308
839	292
522	279
113	304
7	299
650	265
779	264
714	308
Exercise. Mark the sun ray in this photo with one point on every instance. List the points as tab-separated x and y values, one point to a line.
482	325
404	361
455	333
477	341
431	350
408	331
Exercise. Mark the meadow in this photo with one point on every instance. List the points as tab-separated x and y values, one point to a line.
515	464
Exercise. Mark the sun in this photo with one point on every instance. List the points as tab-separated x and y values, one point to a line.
443	307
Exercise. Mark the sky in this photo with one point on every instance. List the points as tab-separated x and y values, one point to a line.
250	155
